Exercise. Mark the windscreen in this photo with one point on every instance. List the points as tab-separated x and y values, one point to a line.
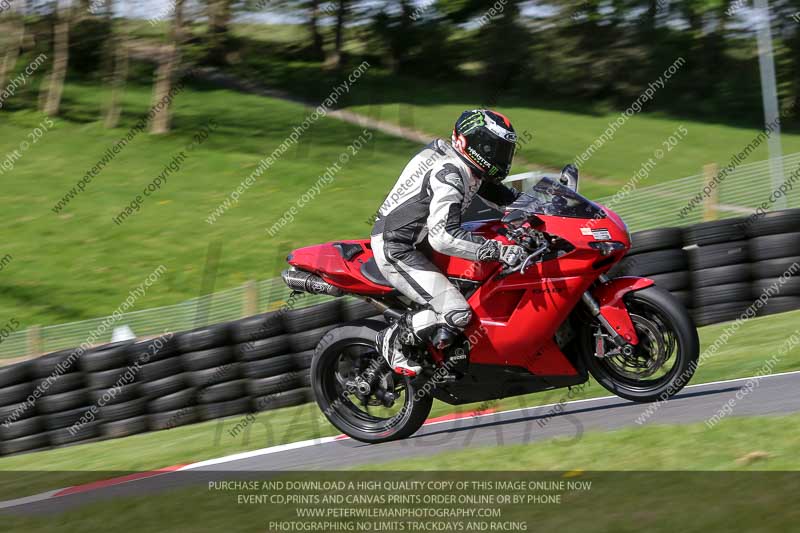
548	197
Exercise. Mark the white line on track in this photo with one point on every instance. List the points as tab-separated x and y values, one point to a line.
263	451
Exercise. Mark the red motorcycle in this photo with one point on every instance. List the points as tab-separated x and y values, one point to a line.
547	323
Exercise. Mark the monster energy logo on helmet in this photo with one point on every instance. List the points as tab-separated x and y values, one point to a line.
472	123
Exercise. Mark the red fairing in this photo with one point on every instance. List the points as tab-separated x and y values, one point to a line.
612	306
515	320
327	261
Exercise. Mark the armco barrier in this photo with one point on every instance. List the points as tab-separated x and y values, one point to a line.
718	269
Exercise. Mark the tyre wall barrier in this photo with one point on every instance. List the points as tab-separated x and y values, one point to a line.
254	364
722	270
717	269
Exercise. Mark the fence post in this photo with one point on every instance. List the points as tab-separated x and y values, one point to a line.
34	341
250	298
710	212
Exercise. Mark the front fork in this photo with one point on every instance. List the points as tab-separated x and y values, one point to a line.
611	313
605	331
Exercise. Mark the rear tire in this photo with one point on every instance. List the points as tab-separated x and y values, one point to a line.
664	310
340	410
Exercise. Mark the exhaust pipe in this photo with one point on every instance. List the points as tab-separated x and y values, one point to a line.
299	280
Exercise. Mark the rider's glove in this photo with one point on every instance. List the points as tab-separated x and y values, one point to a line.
493	250
512	255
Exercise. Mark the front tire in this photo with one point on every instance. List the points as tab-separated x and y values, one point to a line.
349	352
666	357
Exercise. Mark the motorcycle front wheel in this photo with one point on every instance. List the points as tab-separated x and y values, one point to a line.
358	393
664	360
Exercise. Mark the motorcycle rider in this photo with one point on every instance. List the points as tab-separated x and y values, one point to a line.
433	191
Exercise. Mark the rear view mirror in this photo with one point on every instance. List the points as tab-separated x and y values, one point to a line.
515	218
569	177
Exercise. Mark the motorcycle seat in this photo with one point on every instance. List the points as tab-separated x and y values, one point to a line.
371	271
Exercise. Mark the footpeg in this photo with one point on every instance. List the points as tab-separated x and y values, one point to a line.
444	338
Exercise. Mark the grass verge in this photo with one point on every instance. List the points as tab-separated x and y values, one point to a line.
682	495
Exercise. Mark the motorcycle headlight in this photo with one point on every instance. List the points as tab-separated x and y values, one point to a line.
607	247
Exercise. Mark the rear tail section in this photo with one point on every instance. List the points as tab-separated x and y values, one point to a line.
334	268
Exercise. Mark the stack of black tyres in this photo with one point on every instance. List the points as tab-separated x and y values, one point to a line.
264	350
357	309
264	353
658	254
720	264
21	428
64	401
113	389
213	373
307	327
162	383
774	246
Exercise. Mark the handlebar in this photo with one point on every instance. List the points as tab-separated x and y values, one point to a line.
529	239
523	265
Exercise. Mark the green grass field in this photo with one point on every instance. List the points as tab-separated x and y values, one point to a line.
79	264
561	135
561	130
755	342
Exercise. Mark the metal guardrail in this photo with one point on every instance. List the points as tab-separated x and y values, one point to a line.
739	194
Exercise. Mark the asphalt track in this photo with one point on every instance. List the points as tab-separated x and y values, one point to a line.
769	395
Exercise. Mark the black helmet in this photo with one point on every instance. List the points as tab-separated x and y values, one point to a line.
486	141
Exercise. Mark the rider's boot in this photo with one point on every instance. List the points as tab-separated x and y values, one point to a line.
393	343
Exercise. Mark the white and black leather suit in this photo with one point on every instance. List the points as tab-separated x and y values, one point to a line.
426	204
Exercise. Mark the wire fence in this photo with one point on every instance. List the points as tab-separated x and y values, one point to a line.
693	199
223	306
675	203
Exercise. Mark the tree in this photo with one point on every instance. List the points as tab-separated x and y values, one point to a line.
169	61
13	31
500	42
219	13
118	69
317	48
395	31
786	24
58	74
311	11
342	9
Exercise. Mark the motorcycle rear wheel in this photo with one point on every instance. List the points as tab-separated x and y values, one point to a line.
664	360
347	352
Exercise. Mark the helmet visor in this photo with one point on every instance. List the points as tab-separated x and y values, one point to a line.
496	153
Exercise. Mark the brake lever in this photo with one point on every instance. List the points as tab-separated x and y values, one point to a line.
524	265
535	255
